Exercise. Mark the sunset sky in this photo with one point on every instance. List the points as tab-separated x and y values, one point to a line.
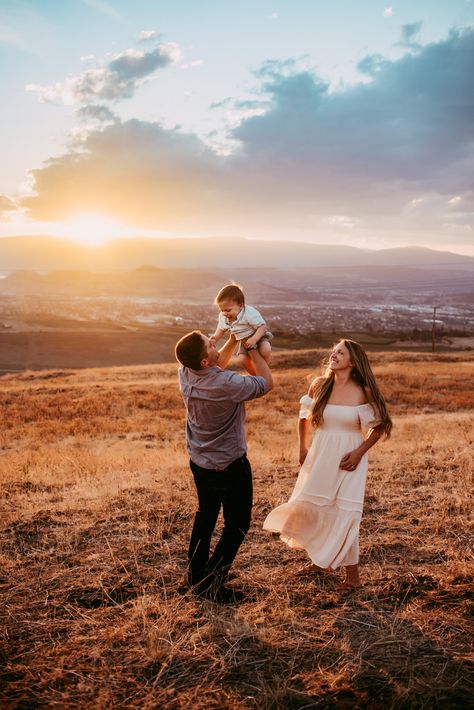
331	121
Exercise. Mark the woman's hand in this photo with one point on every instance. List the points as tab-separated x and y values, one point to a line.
350	461
303	455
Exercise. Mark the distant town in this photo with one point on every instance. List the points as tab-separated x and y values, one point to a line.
74	318
409	320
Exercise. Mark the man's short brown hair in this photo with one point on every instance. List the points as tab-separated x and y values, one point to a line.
191	349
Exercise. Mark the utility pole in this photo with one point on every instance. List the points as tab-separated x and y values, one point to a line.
433	329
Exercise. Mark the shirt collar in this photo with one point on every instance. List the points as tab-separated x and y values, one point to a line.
239	316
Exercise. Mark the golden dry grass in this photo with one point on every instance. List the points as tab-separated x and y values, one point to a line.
97	504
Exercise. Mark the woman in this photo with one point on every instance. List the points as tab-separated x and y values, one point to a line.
324	511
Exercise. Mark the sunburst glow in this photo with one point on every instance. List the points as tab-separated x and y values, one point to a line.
94	229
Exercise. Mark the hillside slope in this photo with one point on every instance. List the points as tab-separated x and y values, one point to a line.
97	508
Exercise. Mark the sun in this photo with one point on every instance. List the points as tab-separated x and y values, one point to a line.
93	229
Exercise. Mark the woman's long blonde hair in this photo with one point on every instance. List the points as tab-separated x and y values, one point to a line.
362	374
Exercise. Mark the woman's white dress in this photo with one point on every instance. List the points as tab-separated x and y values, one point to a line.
324	511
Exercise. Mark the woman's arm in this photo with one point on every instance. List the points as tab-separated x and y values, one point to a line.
303	431
350	461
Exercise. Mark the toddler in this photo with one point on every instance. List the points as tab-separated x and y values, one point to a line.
245	323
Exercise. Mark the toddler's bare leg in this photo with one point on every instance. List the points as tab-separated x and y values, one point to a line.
265	350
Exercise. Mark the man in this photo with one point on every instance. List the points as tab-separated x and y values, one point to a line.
215	437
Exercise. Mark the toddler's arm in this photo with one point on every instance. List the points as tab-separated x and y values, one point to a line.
218	334
255	337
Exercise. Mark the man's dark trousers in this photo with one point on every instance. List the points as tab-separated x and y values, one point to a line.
231	489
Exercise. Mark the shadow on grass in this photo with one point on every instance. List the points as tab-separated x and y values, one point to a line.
395	661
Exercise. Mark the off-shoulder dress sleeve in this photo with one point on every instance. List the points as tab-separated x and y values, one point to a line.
369	415
306	406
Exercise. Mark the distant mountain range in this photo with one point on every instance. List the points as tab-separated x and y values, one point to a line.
265	285
48	254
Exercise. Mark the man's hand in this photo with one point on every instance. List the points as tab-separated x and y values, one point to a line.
350	461
250	343
261	367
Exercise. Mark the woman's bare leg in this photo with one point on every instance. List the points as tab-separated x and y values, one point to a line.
352	580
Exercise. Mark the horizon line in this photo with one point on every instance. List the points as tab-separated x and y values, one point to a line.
105	243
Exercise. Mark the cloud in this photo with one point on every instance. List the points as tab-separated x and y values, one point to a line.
273	68
228	101
193	65
454	214
96	113
413	120
340	221
409	32
90	118
383	157
135	64
147	36
137	171
119	79
6	205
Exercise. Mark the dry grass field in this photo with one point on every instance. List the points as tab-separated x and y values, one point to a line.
97	504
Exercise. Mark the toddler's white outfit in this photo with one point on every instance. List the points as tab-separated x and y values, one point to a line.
246	323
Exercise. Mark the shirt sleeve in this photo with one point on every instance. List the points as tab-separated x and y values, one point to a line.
369	415
306	407
253	317
221	324
240	388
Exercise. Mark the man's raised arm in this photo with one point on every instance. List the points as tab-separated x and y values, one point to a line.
225	352
261	367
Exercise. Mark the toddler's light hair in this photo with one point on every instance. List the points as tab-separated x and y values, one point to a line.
231	292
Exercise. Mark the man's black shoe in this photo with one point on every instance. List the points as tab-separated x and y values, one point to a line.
184	586
228	595
222	595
